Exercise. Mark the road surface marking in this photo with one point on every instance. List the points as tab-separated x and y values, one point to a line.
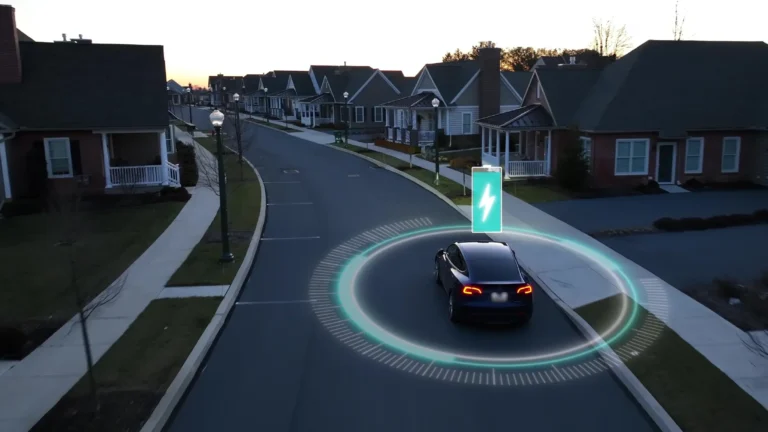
290	203
282	182
289	238
425	370
353	175
253	303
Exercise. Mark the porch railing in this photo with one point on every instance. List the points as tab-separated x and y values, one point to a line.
527	169
145	175
426	136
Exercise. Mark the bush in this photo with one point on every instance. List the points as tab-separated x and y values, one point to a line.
402	148
23	207
729	289
693	184
174	194
464	162
12	343
572	165
187	165
721	221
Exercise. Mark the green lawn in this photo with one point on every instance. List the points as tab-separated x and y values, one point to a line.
35	271
534	193
274	124
698	395
136	371
202	267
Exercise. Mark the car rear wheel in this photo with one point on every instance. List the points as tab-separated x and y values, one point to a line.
436	272
453	313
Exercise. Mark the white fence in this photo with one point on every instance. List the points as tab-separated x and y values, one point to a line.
527	169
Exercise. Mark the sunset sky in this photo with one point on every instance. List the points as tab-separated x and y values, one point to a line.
242	37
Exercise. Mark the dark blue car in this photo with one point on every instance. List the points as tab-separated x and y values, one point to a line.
484	283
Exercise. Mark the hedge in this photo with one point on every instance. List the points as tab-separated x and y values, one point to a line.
714	222
187	164
402	148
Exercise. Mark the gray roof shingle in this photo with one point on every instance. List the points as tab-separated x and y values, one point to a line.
673	86
565	89
302	83
518	80
94	75
451	77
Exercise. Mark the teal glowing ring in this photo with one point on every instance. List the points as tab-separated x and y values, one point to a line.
345	293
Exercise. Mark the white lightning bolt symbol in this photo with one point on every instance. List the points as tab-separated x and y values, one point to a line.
486	202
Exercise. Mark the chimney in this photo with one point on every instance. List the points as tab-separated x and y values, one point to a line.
573	60
64	37
10	57
490	81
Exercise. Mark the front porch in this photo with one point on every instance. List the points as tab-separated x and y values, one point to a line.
526	137
412	120
317	110
138	159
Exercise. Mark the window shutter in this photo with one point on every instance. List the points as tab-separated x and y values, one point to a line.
77	166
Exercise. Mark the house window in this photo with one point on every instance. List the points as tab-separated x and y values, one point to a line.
632	156
170	146
694	152
466	123
586	150
359	114
58	157
378	114
731	151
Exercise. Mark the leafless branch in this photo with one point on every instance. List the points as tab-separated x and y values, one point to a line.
758	343
608	39
679	24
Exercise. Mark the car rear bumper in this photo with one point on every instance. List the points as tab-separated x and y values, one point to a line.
497	314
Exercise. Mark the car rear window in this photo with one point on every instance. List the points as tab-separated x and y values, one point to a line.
494	269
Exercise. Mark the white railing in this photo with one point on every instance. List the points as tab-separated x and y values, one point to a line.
173	174
426	136
408	137
389	134
399	135
527	169
136	175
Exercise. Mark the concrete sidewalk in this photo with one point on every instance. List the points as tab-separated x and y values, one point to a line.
578	281
35	384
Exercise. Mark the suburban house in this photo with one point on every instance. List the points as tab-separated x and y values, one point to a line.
299	86
465	91
668	111
96	144
275	82
223	88
250	100
175	92
591	59
366	88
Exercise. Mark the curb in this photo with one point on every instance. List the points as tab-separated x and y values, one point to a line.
173	395
651	406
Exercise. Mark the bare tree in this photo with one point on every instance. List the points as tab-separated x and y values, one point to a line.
677	32
608	39
72	223
207	163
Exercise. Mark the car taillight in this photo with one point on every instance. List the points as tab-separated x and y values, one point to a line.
525	289
470	290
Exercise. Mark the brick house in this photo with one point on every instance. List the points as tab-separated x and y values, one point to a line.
60	129
669	111
466	90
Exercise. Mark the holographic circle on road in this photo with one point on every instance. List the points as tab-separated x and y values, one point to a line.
335	283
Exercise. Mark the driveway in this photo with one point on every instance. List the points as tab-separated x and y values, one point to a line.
681	259
281	364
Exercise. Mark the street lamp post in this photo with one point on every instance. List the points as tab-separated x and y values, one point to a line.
435	104
223	93
347	115
236	97
189	100
266	105
168	95
217	119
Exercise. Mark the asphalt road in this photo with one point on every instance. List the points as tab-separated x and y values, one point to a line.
276	368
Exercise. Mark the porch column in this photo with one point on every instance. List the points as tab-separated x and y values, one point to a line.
105	150
163	160
482	139
506	156
548	148
440	119
498	143
386	117
413	120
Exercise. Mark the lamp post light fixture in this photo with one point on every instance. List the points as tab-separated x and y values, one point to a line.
266	104
348	115
217	119
189	100
223	94
168	95
435	104
236	98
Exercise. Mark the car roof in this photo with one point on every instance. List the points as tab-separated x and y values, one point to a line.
484	250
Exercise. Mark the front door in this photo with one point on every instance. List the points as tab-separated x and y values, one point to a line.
665	163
